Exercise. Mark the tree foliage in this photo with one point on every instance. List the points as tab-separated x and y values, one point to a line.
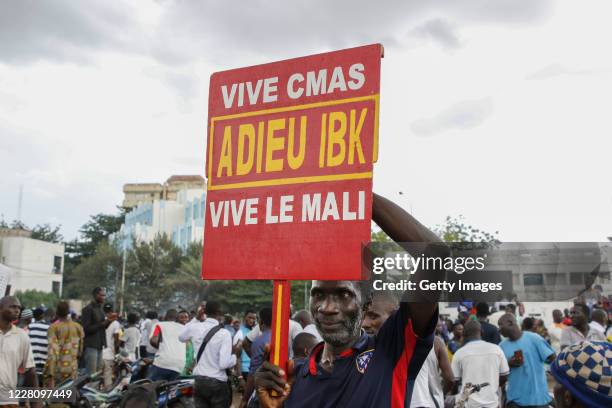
101	269
455	229
43	232
149	266
46	232
33	298
93	232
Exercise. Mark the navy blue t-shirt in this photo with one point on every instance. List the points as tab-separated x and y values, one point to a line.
377	372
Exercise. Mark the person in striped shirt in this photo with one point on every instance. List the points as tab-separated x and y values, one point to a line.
37	331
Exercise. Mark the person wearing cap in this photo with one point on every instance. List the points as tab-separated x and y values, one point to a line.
490	334
25	319
583	375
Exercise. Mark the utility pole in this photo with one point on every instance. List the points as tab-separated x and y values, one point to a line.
19	203
122	281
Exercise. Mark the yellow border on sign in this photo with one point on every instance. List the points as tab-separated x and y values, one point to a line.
294	180
279	323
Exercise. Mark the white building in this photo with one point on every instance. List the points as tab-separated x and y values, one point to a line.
192	227
34	264
181	220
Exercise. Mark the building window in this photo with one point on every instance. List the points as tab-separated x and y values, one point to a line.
533	279
57	264
576	278
555	279
56	288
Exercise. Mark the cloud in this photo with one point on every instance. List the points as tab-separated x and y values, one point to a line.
183	82
63	30
556	70
68	31
441	32
185	31
461	115
285	29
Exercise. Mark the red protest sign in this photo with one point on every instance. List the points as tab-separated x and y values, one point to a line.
291	146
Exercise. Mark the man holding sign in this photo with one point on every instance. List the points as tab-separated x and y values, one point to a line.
290	154
351	368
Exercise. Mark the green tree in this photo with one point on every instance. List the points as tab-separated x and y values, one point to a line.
101	269
187	281
33	298
380	236
455	229
94	233
17	224
149	266
97	229
45	232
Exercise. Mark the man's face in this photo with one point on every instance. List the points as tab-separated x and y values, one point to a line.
10	309
336	308
100	296
250	319
578	317
375	315
506	324
183	317
557	316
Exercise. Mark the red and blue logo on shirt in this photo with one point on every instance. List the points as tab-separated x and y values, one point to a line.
363	360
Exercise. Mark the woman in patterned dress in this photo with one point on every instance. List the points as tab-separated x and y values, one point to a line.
65	347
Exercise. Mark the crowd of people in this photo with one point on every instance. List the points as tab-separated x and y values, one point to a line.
511	355
351	348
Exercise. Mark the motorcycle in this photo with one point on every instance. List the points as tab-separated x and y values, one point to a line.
170	394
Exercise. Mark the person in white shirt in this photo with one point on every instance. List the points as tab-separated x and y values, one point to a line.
295	328
211	388
131	336
146	329
113	332
599	320
169	359
480	362
15	350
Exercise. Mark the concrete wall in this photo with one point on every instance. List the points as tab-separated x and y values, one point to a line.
33	263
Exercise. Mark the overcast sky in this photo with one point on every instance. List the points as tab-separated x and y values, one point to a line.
497	110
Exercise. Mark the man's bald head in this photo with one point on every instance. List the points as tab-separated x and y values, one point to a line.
378	311
508	327
471	330
600	316
303	317
303	344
